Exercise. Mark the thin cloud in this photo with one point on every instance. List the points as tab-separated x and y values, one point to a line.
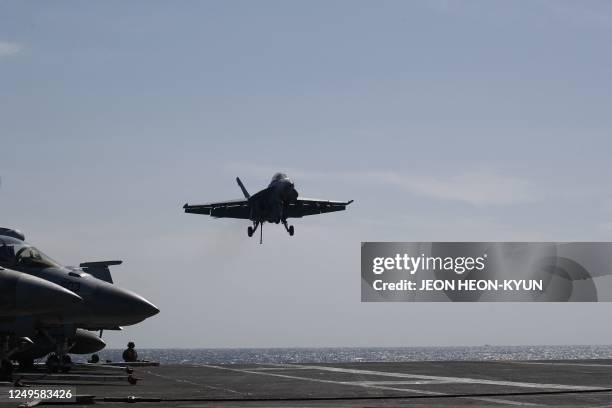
9	48
589	14
580	13
478	186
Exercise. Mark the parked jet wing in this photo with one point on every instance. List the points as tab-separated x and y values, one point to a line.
222	209
309	206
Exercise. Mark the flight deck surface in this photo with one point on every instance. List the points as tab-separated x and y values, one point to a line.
375	384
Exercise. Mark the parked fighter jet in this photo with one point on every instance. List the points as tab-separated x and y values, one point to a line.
275	203
21	295
104	305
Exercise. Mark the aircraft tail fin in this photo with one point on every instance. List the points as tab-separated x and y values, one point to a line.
100	269
244	190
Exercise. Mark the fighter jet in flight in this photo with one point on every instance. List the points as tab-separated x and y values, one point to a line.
104	305
275	204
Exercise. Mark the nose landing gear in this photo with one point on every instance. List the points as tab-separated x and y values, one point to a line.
52	363
60	360
57	363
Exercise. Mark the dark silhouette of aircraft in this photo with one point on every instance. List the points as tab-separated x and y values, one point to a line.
275	204
101	305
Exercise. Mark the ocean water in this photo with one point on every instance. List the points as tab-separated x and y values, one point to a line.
356	354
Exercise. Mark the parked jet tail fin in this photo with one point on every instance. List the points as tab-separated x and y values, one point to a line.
100	269
244	190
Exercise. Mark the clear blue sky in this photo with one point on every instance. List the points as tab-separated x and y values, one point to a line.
444	120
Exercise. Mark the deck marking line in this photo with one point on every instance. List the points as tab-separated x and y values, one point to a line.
275	368
559	364
196	384
465	380
357	384
413	382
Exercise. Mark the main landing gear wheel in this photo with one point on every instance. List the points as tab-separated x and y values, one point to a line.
26	363
53	363
289	228
251	230
66	364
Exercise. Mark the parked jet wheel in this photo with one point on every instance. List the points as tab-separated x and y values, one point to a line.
66	364
6	370
26	363
250	231
52	363
291	230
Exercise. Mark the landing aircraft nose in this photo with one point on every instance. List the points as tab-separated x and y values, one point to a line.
124	306
35	295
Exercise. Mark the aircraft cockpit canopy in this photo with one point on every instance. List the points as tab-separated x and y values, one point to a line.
22	255
278	176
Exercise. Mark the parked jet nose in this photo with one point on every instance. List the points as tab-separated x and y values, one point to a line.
123	306
36	295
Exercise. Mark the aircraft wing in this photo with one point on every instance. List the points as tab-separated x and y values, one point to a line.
311	206
222	209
